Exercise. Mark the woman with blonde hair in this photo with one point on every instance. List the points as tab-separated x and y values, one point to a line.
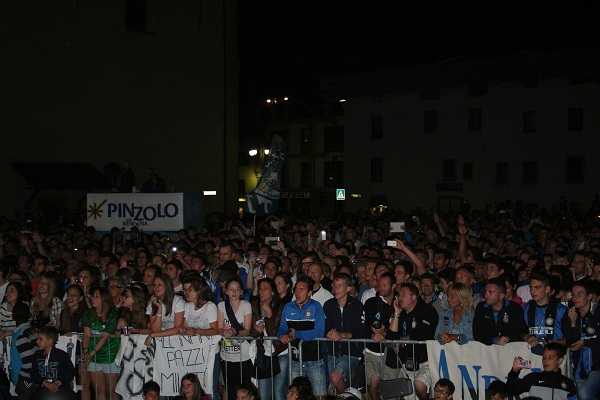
456	323
45	306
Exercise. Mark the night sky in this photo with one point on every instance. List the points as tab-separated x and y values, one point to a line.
287	45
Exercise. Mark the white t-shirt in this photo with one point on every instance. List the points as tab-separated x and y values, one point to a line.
168	321
321	295
200	319
230	349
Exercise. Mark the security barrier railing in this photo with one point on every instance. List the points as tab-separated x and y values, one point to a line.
168	358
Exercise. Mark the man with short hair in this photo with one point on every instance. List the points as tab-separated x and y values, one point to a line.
378	311
494	267
370	278
173	270
543	314
148	279
427	288
403	271
160	260
381	269
443	390
303	319
307	258
344	319
319	293
413	319
446	278
498	320
582	330
465	275
596	271
579	266
548	384
441	259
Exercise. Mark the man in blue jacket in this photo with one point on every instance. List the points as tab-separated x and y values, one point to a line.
344	319
304	320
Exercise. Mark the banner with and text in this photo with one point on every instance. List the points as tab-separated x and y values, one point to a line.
473	366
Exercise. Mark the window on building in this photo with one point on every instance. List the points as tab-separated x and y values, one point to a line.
305	137
431	121
575	119
333	174
334	138
530	173
478	90
449	170
376	127
376	169
502	173
529	121
468	171
474	119
304	174
575	170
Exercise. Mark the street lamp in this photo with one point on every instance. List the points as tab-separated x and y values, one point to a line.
262	152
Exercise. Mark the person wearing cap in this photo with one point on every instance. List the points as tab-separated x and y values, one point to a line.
350	394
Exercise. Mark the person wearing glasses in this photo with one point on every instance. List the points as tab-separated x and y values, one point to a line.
115	288
443	390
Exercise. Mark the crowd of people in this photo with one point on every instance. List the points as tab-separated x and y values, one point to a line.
492	277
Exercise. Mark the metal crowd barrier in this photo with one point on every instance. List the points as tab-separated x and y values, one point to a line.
82	385
323	356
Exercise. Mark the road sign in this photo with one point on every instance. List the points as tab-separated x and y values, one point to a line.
340	194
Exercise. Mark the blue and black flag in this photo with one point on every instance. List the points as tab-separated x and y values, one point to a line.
263	200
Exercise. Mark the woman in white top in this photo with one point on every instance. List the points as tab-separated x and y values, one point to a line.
165	309
200	313
233	351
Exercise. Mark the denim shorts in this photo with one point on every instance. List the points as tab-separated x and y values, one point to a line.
344	364
111	368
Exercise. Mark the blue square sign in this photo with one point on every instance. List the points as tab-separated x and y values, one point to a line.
340	194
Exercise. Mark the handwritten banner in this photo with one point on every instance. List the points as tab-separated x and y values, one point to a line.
166	361
179	355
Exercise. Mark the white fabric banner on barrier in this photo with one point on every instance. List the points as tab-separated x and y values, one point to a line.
166	361
473	366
